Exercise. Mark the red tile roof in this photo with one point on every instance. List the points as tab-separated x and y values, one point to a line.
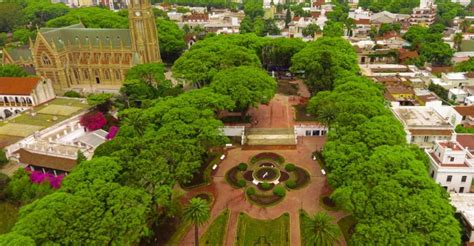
465	110
431	132
17	86
362	22
41	160
466	140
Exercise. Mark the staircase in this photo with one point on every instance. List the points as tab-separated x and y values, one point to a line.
270	138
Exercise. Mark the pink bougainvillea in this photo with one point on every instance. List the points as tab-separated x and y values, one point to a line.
37	177
112	132
93	121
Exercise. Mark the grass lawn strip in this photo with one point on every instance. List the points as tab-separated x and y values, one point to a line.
263	232
8	216
345	224
59	110
216	232
20	130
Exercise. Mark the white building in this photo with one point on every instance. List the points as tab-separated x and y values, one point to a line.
20	94
464	204
424	125
457	80
452	166
457	95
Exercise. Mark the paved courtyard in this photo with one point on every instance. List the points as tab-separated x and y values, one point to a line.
306	198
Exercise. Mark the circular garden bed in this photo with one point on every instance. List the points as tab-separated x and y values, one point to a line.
266	178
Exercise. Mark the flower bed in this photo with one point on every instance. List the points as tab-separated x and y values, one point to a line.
264	200
231	177
267	156
302	177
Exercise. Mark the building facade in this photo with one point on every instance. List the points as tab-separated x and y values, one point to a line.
79	58
20	94
452	166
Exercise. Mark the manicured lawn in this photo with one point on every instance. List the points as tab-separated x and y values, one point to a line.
8	216
42	120
263	232
59	110
346	224
467	45
19	130
216	232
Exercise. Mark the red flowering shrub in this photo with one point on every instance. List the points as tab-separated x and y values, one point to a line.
37	177
112	132
93	121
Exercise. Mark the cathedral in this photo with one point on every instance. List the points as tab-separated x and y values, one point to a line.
91	59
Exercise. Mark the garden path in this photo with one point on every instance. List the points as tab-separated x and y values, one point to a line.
306	198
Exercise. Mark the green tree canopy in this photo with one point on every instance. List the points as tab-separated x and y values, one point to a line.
8	70
171	39
92	17
247	86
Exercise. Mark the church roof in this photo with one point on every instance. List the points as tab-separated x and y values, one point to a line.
17	53
76	35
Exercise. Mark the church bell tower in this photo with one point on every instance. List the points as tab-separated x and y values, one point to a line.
143	31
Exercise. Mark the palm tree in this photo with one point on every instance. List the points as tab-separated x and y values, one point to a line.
458	40
197	212
320	230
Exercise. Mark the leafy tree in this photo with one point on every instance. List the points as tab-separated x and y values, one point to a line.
439	90
320	230
13	239
101	101
275	54
333	29
92	17
311	29
323	61
287	17
247	86
23	35
106	212
10	16
3	157
465	66
8	70
3	39
438	53
171	39
457	39
201	63
198	213
21	190
39	12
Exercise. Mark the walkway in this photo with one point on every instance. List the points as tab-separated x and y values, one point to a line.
306	198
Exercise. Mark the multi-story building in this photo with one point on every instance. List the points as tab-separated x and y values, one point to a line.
20	94
424	125
425	14
451	165
76	57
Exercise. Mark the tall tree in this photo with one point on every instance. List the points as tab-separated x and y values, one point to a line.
197	212
171	39
457	39
247	86
320	230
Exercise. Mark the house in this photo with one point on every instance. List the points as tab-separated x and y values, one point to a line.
457	79
457	95
424	125
466	113
386	17
405	55
424	97
20	94
451	166
55	149
464	204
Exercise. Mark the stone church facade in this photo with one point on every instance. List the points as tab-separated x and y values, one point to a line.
91	59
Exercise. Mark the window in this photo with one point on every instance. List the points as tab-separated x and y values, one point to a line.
451	159
45	59
464	178
445	187
461	189
449	178
315	133
308	133
432	174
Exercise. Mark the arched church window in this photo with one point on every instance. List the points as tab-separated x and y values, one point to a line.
86	74
117	74
107	74
45	59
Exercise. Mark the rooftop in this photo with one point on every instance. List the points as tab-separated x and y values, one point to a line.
465	110
455	76
17	86
421	116
464	204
